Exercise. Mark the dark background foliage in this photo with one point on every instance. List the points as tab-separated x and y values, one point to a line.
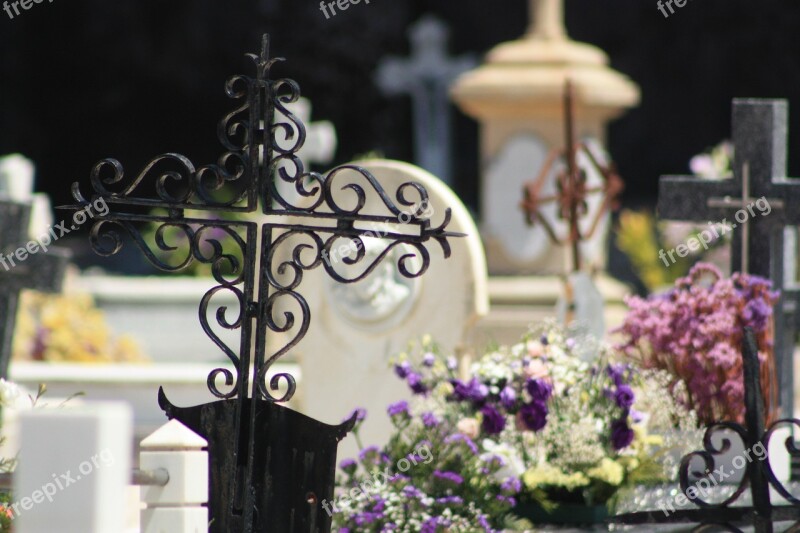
81	80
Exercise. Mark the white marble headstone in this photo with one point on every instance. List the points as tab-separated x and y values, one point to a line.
17	174
16	177
74	469
356	328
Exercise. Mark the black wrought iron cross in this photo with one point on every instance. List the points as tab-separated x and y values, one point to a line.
270	466
760	139
20	269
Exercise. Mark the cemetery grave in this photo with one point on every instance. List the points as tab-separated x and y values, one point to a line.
339	342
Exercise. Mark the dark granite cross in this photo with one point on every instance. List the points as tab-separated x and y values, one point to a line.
760	140
427	76
38	271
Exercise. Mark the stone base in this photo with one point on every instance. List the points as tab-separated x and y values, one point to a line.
519	301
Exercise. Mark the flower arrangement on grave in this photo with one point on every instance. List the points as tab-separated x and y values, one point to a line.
694	332
68	328
640	237
547	422
428	478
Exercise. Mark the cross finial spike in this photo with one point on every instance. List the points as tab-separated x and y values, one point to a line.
265	47
547	20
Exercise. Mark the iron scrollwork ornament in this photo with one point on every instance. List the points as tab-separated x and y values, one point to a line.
706	468
260	220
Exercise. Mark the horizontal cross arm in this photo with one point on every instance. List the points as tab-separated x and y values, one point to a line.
686	198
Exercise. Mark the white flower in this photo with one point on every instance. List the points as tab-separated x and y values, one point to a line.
514	466
9	393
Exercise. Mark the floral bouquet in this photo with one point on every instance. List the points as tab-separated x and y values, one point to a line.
69	328
694	332
428	479
549	421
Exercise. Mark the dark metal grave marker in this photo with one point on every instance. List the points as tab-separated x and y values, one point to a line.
270	467
760	139
40	271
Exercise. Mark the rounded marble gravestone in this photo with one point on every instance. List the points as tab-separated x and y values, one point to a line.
356	329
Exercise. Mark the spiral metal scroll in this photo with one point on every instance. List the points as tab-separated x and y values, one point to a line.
262	139
708	454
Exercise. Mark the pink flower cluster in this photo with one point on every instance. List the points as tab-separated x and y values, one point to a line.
694	331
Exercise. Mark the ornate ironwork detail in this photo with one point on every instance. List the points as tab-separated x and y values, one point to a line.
249	173
261	262
572	192
759	475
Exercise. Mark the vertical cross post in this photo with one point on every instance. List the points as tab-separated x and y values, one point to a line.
760	138
20	269
754	419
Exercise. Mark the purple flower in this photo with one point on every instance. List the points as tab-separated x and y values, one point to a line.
450	500
416	384
349	466
410	491
508	397
511	501
428	359
448	476
493	421
616	373
511	485
430	525
621	434
380	505
402	369
474	390
399	408
539	389
458	437
757	313
452	363
624	397
430	420
369	454
533	416
360	413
